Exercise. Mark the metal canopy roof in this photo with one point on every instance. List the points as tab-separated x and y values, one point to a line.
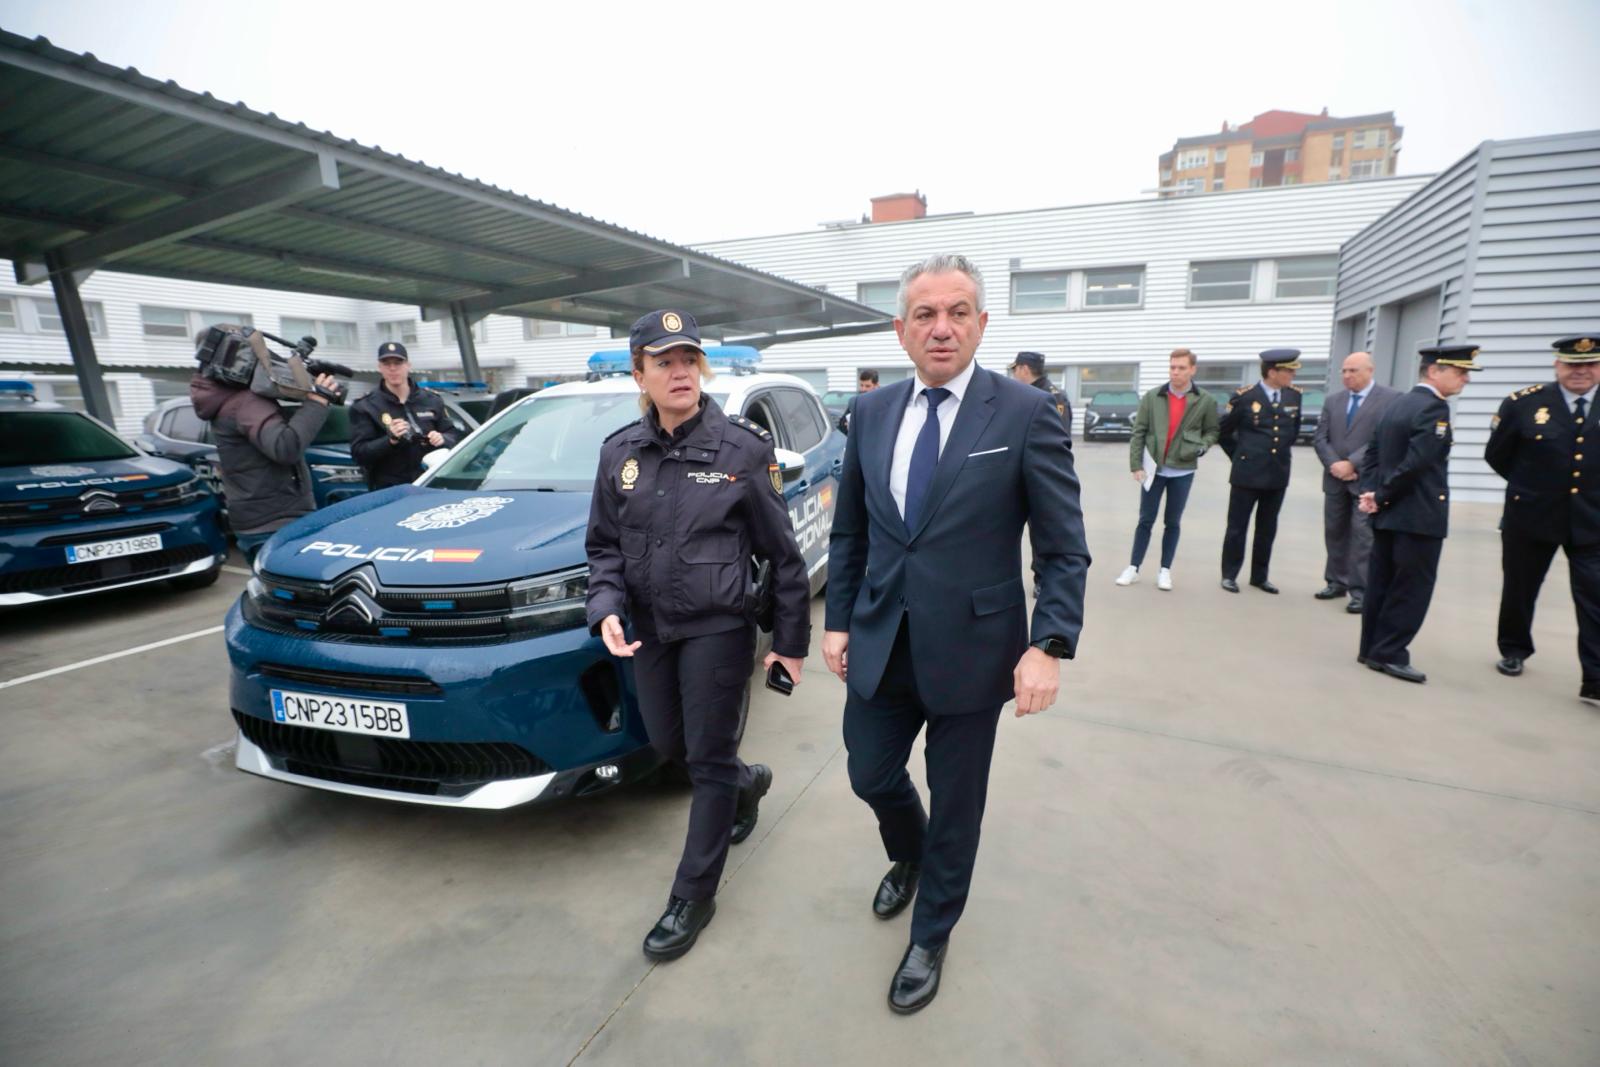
104	167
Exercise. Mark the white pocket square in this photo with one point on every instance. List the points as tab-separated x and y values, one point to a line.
989	451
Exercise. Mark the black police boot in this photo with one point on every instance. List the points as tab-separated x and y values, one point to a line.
916	981
1357	605
1511	666
744	819
675	932
897	889
1331	591
1590	694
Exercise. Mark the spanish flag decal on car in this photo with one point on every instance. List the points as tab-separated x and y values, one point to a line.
456	555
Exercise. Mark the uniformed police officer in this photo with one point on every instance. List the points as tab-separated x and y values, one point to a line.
1537	444
1404	487
683	498
395	425
1258	429
1028	368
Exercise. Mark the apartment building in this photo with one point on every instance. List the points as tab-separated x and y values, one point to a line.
1281	148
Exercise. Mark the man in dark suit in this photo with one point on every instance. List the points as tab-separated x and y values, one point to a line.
1349	418
926	616
1537	444
1259	426
866	382
1404	487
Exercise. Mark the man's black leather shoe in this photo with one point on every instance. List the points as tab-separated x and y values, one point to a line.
1331	591
1356	606
744	819
1403	671
897	889
1361	659
1511	666
1230	585
675	932
1590	694
1266	587
917	981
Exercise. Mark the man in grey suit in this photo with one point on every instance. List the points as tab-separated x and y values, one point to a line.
1349	418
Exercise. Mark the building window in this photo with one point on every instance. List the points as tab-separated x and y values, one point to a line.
1370	139
1337	159
883	296
1366	168
1216	185
1306	277
1166	176
1223	378
534	329
1291	155
69	394
1255	183
1338	142
1211	283
8	313
48	316
183	323
1117	287
329	334
1190	185
447	331
1256	159
1291	179
1190	158
1089	380
1220	154
402	330
1039	292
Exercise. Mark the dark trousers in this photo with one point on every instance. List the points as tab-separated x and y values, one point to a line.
1347	533
878	733
1177	491
1266	503
690	693
1523	564
1399	586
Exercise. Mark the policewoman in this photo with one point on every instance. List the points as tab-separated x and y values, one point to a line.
683	499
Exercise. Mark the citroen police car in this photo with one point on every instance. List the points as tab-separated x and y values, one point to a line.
81	511
427	642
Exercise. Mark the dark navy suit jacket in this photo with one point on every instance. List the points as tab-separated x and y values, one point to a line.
958	574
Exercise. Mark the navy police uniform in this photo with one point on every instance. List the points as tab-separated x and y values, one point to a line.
1258	433
1406	468
1034	361
384	458
674	522
1545	442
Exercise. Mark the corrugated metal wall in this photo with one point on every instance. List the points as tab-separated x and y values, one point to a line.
1510	237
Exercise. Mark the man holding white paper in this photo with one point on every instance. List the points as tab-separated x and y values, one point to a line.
1172	429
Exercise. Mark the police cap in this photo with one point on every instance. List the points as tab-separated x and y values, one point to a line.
661	330
1461	356
1584	348
392	350
1280	359
1034	361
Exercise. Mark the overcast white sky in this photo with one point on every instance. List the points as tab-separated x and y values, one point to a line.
700	121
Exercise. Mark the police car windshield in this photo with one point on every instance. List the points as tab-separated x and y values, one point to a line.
28	437
336	431
548	443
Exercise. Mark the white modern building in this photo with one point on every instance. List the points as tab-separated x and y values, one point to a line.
1106	291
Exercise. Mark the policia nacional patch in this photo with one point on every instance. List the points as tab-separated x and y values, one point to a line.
776	475
629	473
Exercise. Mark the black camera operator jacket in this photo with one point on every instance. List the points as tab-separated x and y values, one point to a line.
674	522
262	453
385	459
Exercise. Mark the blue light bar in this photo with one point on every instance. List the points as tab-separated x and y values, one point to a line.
720	357
16	386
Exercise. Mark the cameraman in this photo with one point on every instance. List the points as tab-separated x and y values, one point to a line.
261	451
395	425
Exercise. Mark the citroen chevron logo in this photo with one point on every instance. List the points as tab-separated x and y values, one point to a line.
98	501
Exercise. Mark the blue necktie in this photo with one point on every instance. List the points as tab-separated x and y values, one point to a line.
924	457
1577	409
1350	412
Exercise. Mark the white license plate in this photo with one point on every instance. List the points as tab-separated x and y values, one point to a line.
127	546
351	715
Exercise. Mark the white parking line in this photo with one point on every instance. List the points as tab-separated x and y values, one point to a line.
109	656
236	570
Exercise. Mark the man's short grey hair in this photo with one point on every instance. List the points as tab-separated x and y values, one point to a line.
943	263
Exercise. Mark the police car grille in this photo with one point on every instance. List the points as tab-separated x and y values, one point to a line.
425	767
82	577
426	615
71	509
385	684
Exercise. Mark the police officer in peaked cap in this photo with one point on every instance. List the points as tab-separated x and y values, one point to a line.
1257	431
683	499
1028	368
1544	443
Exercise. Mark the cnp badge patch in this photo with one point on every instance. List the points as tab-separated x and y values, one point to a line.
1541	416
629	473
670	321
775	474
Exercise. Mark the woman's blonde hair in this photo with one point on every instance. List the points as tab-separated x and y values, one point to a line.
706	373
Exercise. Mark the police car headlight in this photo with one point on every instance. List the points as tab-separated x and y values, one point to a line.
549	603
334	472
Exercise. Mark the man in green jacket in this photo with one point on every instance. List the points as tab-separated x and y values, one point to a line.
1172	429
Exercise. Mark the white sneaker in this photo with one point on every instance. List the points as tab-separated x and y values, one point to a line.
1128	576
1164	579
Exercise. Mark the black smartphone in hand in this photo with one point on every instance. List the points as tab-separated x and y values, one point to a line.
778	679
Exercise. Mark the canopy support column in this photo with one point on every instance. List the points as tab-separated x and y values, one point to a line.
81	344
464	341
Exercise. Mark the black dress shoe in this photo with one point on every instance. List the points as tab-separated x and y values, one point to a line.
1361	659
675	932
896	890
1403	671
1511	666
1590	694
917	981
744	819
1331	591
1230	585
1356	606
1266	587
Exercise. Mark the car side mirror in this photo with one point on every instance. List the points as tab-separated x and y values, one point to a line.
434	458
790	464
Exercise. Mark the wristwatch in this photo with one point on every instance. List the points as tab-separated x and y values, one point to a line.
1053	646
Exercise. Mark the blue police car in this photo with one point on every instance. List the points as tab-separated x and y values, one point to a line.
81	511
426	643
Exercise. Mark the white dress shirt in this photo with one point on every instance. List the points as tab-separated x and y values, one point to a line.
1272	394
1572	399
911	426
